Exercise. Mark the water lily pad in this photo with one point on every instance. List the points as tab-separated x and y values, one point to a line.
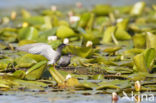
84	19
64	32
139	41
107	37
114	84
150	40
19	74
4	63
35	72
138	8
144	61
56	75
102	9
28	33
24	62
122	35
80	51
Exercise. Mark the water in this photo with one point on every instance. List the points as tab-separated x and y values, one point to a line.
60	97
53	97
9	4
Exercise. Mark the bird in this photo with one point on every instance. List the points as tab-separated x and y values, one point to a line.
64	60
45	50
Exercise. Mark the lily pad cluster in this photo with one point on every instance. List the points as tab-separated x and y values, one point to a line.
113	46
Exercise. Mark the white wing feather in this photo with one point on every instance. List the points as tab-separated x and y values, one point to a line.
40	48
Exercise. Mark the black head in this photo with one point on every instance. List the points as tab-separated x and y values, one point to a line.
60	47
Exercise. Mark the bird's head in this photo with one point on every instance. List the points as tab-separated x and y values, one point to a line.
60	47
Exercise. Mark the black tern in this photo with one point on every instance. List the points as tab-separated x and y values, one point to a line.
43	49
64	60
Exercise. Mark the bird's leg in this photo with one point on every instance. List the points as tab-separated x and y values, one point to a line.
54	66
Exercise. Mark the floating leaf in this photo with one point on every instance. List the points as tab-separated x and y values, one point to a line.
122	35
72	82
85	17
24	62
86	85
149	55
80	51
28	33
19	74
24	42
150	40
111	49
139	41
35	20
25	13
107	37
122	25
4	63
114	84
98	77
138	8
64	32
102	10
56	75
145	60
35	72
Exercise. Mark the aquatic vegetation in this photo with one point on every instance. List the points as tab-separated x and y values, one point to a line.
112	48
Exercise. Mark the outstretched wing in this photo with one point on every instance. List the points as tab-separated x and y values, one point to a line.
38	48
28	47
